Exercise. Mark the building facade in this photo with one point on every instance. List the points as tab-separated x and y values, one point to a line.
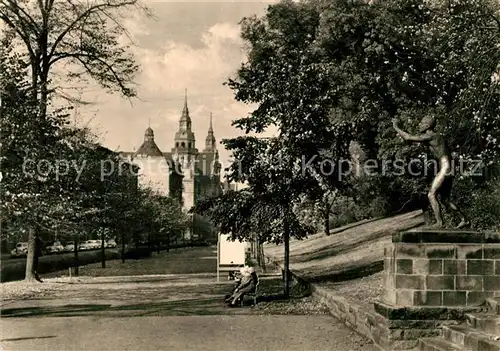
184	172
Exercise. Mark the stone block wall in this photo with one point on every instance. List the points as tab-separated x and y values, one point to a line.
419	271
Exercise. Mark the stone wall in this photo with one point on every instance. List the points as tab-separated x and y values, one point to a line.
432	280
427	274
435	278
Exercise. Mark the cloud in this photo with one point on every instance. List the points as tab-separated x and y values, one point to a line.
166	70
177	66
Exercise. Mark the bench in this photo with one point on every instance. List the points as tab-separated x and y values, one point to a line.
253	294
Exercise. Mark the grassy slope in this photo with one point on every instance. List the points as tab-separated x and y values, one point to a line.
354	247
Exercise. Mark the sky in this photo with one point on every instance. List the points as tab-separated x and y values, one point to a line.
188	45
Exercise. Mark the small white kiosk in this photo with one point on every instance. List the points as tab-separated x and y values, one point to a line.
230	254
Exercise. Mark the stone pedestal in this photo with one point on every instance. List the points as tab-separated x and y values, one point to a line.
433	277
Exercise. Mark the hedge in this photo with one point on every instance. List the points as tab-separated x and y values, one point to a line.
16	270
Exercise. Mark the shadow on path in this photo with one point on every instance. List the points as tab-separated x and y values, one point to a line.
199	307
30	338
207	306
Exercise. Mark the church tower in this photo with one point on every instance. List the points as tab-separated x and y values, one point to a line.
210	139
211	166
184	155
152	164
184	151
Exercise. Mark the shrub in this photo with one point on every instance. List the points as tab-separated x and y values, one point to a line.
480	202
346	211
15	270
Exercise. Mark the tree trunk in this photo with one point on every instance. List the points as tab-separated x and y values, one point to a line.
103	250
326	221
256	253
30	257
286	240
43	43
38	253
256	245
77	244
123	247
262	257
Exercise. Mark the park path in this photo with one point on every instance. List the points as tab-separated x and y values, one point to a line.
173	312
179	333
164	311
171	294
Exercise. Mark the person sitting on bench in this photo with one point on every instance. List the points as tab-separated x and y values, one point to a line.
247	285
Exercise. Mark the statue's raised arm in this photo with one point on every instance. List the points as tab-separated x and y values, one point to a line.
408	137
443	181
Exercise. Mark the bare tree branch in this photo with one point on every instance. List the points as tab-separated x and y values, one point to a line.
24	36
80	56
84	15
16	8
497	21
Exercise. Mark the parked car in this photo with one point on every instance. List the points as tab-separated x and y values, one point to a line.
95	244
70	246
83	246
111	243
20	250
55	247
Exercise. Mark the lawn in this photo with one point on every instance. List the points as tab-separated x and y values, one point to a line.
178	261
349	261
351	251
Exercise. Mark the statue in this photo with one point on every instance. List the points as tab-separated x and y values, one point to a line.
442	183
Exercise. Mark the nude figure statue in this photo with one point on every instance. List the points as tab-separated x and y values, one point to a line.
442	183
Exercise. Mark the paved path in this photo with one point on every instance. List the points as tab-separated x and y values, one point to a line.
179	307
178	333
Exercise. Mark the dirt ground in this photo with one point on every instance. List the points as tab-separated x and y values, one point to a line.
174	283
156	295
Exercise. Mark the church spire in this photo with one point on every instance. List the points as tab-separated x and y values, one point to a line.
149	135
184	138
210	139
185	110
185	121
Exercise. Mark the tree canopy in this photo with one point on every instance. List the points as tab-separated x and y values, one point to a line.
57	178
325	74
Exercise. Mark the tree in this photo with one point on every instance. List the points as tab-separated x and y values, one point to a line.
29	194
404	59
266	206
248	215
84	35
286	77
56	184
319	207
171	219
